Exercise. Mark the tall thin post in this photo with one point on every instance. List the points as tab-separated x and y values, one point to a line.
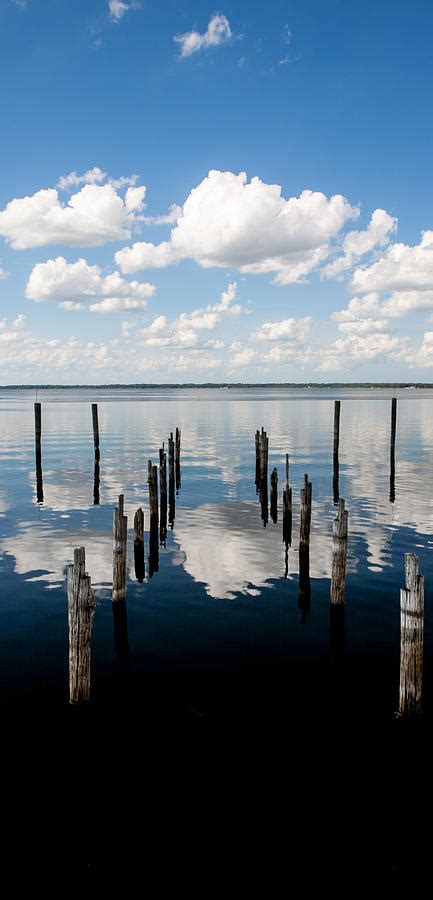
304	549
153	530
411	637
38	454
306	502
163	491
139	545
95	430
274	495
120	534
339	554
81	611
392	450
171	495
178	476
336	467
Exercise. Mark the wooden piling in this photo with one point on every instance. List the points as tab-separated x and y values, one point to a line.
81	611
287	516
339	554
411	637
392	450
95	430
154	518
163	495
139	545
336	465
306	503
171	494
274	495
120	533
178	476
257	446
38	454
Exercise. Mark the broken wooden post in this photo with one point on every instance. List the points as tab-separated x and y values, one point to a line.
178	478
139	545
274	495
120	534
163	493
81	611
306	500
38	454
392	450
411	637
336	468
339	554
95	430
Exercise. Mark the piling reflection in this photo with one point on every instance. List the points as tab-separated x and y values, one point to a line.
96	482
336	480
38	454
274	496
304	598
120	634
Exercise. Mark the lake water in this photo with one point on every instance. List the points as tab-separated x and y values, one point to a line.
218	630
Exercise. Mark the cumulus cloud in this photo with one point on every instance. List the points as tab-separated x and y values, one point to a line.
243	357
227	221
72	285
358	348
364	326
218	32
182	332
94	215
358	243
401	268
421	357
285	330
3	273
92	176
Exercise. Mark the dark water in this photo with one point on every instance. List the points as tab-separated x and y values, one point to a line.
301	717
219	616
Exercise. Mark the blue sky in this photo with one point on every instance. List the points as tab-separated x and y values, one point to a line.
316	270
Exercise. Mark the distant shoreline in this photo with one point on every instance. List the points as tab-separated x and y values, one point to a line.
218	385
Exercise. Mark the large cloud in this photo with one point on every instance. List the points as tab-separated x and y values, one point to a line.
74	284
229	222
401	268
94	215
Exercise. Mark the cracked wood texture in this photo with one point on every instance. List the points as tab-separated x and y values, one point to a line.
81	611
339	554
120	532
411	637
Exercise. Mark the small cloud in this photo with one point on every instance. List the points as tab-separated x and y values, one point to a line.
242	60
218	32
117	9
284	61
3	273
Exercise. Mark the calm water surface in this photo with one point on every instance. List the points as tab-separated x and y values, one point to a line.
219	623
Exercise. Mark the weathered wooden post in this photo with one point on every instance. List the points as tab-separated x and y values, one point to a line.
178	476
163	493
81	611
171	495
257	447
339	554
411	637
154	518
274	495
306	502
95	430
336	466
287	516
139	545
120	534
392	450
38	454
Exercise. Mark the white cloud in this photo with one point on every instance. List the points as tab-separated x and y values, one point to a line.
357	348
117	9
92	176
401	268
70	306
94	215
364	326
358	243
182	332
285	330
229	222
77	283
422	357
167	219
243	357
218	32
3	273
